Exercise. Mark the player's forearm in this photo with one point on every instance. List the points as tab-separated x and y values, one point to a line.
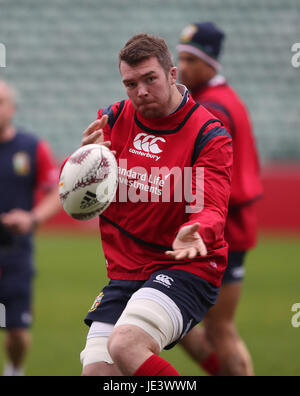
47	208
215	187
212	224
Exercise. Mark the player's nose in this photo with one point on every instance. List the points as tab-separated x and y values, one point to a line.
142	90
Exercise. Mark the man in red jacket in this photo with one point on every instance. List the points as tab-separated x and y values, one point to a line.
164	248
217	346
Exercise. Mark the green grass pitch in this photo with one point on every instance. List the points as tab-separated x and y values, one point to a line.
71	272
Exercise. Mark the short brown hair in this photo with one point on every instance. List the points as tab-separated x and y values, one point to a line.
144	46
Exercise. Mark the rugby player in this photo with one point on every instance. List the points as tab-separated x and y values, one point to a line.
165	260
217	346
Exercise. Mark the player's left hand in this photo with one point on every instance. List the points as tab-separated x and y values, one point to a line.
18	221
188	244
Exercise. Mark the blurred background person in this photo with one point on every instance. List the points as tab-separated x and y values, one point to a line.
217	346
26	166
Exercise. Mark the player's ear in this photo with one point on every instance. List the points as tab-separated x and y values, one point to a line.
173	75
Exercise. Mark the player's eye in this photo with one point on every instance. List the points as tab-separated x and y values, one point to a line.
130	85
151	79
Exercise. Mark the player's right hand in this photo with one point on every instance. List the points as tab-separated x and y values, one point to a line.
94	133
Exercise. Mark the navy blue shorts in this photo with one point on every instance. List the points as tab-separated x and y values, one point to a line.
16	296
192	295
235	270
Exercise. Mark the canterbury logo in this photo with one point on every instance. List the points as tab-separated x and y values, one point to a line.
148	143
164	279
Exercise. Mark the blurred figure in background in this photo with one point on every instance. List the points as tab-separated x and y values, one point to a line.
217	346
26	166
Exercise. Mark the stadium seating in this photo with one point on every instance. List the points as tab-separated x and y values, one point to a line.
62	57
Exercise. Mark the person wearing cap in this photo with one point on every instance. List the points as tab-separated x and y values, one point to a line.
217	346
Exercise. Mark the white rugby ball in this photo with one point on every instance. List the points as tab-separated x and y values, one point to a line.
88	182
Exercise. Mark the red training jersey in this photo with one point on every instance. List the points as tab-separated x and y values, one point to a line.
148	210
221	100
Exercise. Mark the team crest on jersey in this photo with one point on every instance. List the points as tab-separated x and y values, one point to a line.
21	163
96	302
188	33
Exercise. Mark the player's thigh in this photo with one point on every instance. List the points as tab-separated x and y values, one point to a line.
95	357
111	302
185	297
102	316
